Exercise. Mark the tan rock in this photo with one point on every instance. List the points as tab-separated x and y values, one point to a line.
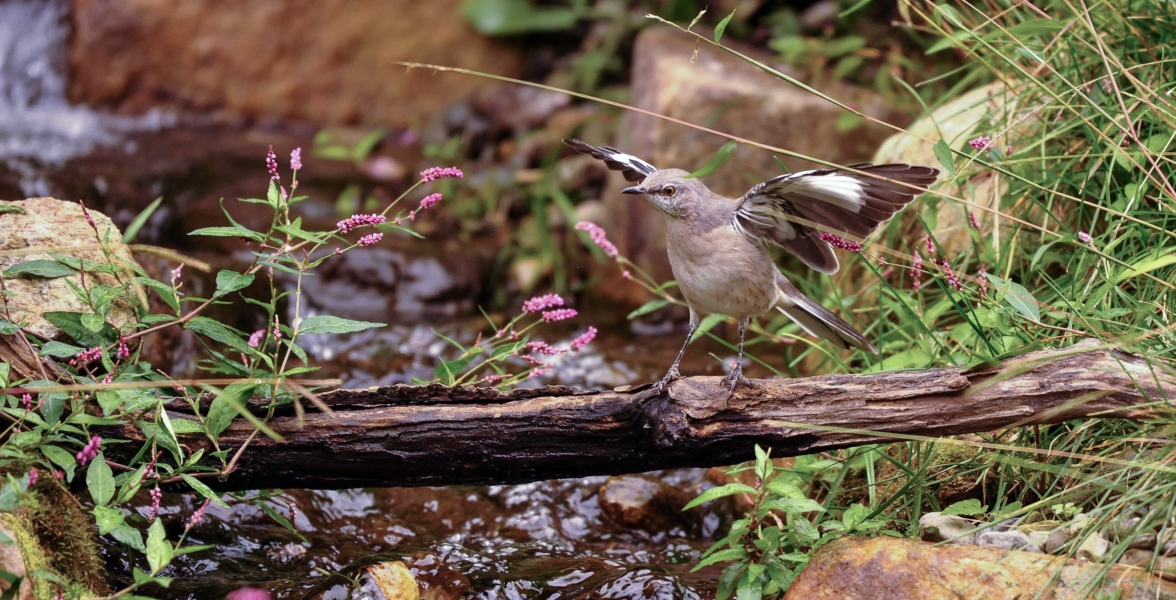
884	567
722	92
328	62
51	225
395	581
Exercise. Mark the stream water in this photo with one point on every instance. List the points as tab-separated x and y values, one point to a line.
540	540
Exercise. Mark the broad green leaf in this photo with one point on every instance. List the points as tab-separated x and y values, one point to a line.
93	322
1037	27
100	480
722	26
794	505
203	490
229	232
720	556
39	268
969	507
129	536
109	400
231	281
297	232
721	491
1146	266
1020	299
221	333
182	426
58	349
108	518
514	17
448	370
728	579
943	153
159	550
647	308
71	324
165	291
6	326
139	221
717	161
329	324
62	458
7	207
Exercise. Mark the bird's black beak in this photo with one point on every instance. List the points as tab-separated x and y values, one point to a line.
633	190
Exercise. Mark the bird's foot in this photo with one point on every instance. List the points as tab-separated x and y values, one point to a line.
734	378
670	377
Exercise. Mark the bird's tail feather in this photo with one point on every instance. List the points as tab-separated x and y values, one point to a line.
818	322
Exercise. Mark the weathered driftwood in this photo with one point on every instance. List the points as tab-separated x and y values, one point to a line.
407	436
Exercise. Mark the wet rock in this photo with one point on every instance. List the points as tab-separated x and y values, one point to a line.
48	223
884	567
954	529
729	95
1007	540
395	581
647	504
334	62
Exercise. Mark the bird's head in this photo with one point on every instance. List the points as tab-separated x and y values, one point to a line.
671	191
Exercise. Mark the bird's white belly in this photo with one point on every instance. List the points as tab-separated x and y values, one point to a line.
720	272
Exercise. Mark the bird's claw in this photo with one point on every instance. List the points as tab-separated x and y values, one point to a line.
734	378
670	377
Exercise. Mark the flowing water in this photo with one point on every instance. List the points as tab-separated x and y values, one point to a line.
539	540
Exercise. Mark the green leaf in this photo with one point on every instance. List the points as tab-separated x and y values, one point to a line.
58	349
229	232
514	17
129	536
93	322
943	153
100	480
140	220
720	556
447	371
328	324
108	519
647	308
62	458
71	324
109	400
728	579
793	505
708	323
294	230
1146	266
721	491
6	207
722	26
1037	27
717	161
1019	298
967	507
228	282
182	426
159	550
221	333
203	490
6	326
39	268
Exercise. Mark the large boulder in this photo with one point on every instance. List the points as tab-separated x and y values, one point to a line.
327	62
723	92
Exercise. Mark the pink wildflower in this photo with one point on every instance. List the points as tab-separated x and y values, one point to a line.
981	143
156	498
541	303
85	357
538	373
838	242
543	348
59	474
124	352
90	451
951	277
175	274
559	314
277	330
1084	237
89	219
26	402
355	221
599	237
583	339
626	274
982	279
32	477
531	360
370	239
492	379
917	271
972	220
429	201
256	337
930	246
271	163
435	173
296	159
197	515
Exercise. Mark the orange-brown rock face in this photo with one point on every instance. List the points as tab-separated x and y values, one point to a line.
325	61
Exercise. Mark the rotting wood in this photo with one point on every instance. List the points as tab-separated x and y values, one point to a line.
432	435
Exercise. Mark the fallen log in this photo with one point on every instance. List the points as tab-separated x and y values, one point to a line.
432	435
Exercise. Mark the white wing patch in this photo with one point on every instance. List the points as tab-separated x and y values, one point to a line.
633	162
839	190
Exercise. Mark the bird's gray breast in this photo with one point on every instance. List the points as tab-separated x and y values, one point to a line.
719	271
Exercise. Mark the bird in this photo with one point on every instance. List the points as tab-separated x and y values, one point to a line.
718	246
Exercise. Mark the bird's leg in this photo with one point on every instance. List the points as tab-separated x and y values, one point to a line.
674	375
735	377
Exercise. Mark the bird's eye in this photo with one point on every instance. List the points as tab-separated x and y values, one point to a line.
668	191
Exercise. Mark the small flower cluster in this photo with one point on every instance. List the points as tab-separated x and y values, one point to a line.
981	143
583	339
492	379
951	276
277	331
599	237
256	337
124	352
429	201
1084	237
26	401
370	239
296	159
543	348
917	271
32	477
271	164
86	357
838	242
175	274
197	516
982	279
156	498
542	303
88	453
972	220
559	314
538	373
435	173
355	221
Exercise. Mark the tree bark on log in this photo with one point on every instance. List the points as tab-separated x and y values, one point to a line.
432	435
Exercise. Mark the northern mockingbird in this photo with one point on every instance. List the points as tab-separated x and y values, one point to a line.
716	244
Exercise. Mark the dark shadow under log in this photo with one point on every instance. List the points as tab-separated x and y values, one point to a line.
410	436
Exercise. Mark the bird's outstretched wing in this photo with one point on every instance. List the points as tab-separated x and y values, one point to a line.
840	200
633	168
